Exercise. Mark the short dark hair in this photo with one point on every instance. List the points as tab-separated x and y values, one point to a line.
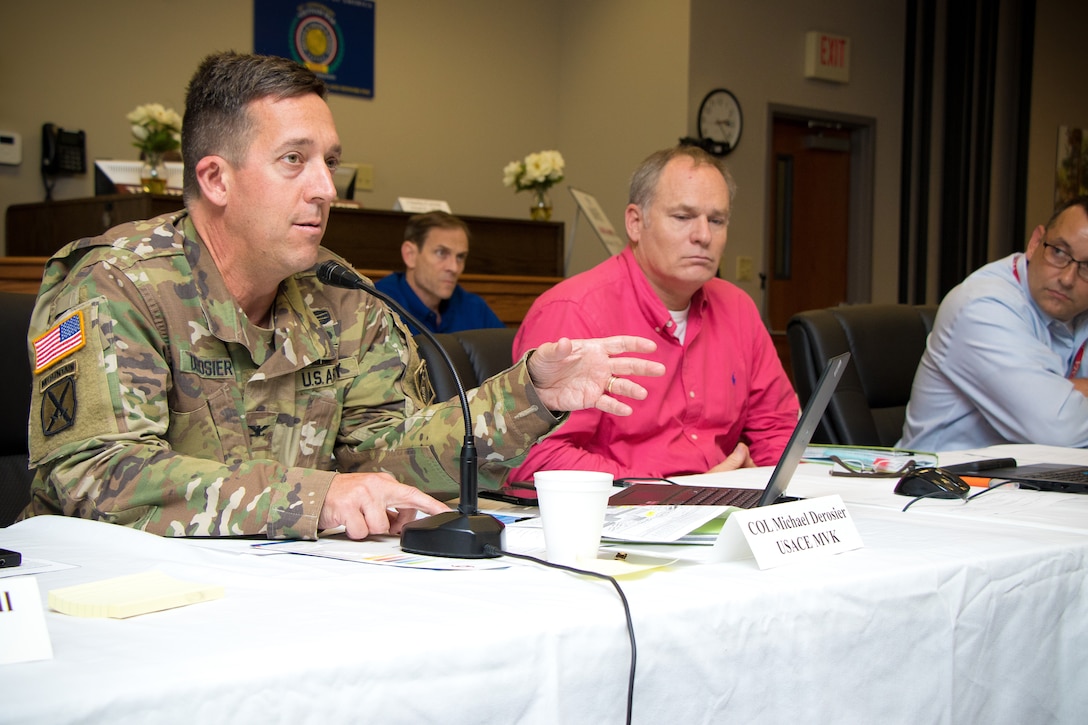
420	225
644	180
217	120
1081	201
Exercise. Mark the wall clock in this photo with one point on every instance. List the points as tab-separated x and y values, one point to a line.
720	122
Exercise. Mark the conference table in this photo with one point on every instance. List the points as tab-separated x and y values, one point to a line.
948	613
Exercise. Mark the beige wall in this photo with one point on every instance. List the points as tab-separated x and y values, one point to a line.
623	81
1058	96
756	49
457	94
462	88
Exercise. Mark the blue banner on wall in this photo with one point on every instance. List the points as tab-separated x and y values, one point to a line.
333	38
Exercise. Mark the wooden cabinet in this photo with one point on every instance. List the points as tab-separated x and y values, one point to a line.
371	239
509	296
38	230
368	238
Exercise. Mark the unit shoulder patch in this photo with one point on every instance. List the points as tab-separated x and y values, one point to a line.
59	403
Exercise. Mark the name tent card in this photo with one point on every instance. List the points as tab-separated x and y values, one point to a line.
787	533
420	206
23	634
601	225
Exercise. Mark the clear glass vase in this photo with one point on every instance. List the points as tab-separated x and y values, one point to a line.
153	173
541	208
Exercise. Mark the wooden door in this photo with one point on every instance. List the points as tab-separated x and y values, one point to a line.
809	224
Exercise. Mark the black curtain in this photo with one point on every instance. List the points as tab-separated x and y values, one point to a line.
951	81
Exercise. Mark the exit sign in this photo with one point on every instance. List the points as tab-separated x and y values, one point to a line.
827	57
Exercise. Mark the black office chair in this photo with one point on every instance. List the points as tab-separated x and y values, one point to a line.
476	355
885	342
15	478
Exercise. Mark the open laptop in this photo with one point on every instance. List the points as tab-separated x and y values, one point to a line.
1062	477
656	494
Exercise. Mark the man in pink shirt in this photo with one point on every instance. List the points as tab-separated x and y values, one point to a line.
724	401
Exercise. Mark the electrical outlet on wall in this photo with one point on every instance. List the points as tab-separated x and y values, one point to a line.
745	273
364	177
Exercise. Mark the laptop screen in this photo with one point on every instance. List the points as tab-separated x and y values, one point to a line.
654	494
806	425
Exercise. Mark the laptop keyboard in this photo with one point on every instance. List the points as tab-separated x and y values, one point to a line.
1069	475
660	495
739	497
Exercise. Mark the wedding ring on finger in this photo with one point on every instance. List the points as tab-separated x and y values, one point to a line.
608	388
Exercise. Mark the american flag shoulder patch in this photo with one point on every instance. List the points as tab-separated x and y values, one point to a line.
62	339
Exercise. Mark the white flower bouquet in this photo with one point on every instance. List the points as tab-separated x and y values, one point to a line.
537	172
156	129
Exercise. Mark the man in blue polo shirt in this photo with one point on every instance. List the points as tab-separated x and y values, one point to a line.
434	250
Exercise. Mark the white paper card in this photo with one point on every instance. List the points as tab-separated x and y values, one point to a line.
601	225
787	532
23	635
420	206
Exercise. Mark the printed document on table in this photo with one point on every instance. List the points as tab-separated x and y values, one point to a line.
649	524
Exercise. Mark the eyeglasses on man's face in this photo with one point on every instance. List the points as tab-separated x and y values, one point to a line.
1058	257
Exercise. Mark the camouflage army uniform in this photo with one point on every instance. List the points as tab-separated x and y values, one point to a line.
167	410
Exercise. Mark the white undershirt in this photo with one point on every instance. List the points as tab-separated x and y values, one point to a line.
680	323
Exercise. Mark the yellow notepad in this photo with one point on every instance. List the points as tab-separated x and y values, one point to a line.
128	596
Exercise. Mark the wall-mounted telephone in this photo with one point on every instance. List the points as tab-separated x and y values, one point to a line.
63	152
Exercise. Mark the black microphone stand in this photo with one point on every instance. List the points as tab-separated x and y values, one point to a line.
464	533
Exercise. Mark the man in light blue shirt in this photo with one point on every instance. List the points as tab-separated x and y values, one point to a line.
1004	363
434	252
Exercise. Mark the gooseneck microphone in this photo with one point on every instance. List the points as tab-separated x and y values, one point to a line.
464	533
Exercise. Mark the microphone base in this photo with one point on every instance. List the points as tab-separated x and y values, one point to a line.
453	534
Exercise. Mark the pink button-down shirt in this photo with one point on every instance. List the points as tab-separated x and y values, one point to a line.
724	384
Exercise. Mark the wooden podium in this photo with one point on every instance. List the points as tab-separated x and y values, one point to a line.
368	238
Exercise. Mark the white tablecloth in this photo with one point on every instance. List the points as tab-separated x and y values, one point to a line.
948	614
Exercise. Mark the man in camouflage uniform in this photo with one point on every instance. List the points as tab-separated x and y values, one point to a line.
194	378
